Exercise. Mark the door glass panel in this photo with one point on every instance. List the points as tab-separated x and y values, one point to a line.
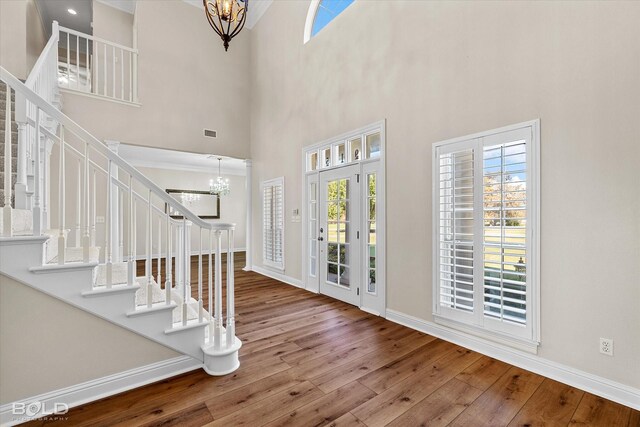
332	273
338	232
332	252
371	238
342	213
344	276
312	267
373	145
343	189
343	233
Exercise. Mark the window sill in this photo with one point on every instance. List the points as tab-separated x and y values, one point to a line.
529	346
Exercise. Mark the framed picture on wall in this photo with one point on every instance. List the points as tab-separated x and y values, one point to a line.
202	203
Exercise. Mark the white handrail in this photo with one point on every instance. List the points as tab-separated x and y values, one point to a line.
72	126
98	74
52	45
97	39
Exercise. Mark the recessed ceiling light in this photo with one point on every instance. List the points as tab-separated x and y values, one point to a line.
72	11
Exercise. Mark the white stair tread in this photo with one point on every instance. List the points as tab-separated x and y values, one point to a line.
22	221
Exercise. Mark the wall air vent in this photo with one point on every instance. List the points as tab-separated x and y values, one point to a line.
211	133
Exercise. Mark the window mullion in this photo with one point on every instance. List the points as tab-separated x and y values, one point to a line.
478	233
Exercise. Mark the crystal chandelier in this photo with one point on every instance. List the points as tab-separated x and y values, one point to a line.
226	17
220	186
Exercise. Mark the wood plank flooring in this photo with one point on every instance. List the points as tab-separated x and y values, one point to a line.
309	360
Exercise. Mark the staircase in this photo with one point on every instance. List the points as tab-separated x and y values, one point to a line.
52	243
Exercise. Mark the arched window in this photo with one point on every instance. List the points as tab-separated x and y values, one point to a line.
321	12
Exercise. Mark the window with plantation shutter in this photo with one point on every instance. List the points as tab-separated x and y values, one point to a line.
486	234
273	223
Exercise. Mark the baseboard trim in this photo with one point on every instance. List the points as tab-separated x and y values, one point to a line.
620	393
104	387
278	276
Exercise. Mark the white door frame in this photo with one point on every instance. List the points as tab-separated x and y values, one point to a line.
373	303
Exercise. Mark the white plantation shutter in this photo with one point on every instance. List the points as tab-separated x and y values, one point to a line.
484	246
456	230
273	223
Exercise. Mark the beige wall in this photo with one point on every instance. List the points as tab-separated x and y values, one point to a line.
187	83
112	24
40	332
437	70
36	36
22	37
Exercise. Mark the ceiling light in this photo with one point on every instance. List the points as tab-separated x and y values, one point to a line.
72	11
220	186
226	17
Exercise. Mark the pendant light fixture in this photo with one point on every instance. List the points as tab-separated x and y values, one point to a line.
226	17
220	186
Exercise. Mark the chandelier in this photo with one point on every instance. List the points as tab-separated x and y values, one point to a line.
226	17
220	186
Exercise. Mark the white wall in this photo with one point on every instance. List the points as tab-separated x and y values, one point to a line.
46	344
187	83
437	70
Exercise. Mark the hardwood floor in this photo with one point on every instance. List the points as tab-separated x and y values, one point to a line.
309	360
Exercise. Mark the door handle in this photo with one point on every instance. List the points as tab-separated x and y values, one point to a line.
321	230
321	238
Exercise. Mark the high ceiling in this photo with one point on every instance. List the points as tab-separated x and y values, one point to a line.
57	10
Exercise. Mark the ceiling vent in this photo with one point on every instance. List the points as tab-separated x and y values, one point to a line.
211	133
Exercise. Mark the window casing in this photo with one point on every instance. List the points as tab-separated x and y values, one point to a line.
485	254
273	223
321	13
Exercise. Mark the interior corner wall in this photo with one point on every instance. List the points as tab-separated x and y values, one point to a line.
13	37
186	81
36	35
46	344
448	69
112	24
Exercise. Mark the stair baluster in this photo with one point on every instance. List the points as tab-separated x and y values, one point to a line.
108	228
167	263
231	323
86	237
217	330
200	306
37	212
149	261
159	275
131	267
62	244
210	286
186	265
6	211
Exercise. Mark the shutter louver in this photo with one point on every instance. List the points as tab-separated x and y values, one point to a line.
273	223
456	230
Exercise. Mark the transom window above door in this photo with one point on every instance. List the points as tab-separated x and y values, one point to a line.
352	150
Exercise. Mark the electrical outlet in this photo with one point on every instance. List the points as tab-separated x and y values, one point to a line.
606	346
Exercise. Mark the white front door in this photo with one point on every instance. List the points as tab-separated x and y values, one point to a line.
339	234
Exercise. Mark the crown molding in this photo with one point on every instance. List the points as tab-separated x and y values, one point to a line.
256	10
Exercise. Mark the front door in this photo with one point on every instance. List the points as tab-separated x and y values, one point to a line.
339	234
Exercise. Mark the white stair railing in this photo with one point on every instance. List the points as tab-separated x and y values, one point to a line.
95	66
83	156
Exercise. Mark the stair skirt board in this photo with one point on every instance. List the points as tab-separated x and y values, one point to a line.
100	388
